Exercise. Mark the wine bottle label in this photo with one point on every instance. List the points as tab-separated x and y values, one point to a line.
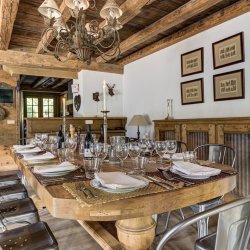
87	153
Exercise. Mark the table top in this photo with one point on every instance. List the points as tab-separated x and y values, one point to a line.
62	204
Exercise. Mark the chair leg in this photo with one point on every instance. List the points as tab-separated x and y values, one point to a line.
202	226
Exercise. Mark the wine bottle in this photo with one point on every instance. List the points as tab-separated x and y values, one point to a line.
101	138
60	138
87	142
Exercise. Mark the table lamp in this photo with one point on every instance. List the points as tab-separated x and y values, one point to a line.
138	120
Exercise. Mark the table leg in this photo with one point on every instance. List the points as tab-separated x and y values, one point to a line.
136	233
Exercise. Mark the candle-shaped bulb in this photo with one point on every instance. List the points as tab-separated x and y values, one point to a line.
104	96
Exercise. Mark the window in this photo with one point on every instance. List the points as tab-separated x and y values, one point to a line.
48	107
32	107
40	105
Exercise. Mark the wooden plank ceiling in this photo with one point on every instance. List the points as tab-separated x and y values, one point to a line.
148	25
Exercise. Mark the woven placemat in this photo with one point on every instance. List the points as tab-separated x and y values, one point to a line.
105	197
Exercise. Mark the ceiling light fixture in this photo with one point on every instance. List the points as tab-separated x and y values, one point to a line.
83	38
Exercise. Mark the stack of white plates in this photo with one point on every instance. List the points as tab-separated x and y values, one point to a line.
117	182
55	169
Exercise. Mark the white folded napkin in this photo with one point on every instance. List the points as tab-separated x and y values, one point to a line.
53	168
195	169
45	156
176	156
23	146
28	150
118	180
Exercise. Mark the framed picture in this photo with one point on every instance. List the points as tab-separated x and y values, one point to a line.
228	51
192	92
192	62
229	85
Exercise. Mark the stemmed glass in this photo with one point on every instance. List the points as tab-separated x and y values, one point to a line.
143	146
122	152
150	146
101	151
171	149
161	148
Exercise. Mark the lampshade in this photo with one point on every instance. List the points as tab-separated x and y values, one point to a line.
110	9
79	4
49	9
138	120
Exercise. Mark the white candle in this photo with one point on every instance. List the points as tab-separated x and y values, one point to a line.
64	106
104	96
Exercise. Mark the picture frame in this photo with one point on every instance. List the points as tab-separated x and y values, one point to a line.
192	92
229	85
228	51
192	62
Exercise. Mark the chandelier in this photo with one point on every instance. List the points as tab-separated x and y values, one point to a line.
79	36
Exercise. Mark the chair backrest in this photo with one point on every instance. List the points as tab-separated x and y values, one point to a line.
233	228
181	146
218	153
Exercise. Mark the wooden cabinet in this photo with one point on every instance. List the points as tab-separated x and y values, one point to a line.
234	132
116	125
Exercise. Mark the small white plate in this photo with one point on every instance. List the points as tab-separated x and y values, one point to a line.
193	177
47	174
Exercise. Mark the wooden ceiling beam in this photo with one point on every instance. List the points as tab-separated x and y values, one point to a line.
58	73
217	18
40	82
8	11
6	78
48	39
62	82
32	60
178	16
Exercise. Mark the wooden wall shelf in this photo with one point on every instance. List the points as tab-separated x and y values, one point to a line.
116	125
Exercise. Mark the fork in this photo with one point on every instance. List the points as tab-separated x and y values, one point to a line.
87	191
168	177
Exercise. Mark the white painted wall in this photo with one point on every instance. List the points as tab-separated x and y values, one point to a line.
148	82
90	82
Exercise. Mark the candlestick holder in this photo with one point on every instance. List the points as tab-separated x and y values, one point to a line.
105	125
169	109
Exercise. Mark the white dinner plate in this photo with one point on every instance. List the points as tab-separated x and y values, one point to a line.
50	174
193	177
96	184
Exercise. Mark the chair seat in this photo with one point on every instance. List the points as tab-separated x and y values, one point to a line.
203	206
9	179
35	236
13	192
206	242
19	211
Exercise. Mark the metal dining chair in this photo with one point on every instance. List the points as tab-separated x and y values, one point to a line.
35	236
218	153
181	147
233	228
18	211
13	192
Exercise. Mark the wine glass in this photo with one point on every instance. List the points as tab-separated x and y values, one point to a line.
171	149
150	146
101	151
161	148
143	146
122	152
134	152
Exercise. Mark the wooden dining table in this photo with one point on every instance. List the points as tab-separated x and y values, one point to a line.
125	223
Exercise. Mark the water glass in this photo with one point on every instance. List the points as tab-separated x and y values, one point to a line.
134	150
143	146
70	154
141	165
101	150
61	154
91	166
189	156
